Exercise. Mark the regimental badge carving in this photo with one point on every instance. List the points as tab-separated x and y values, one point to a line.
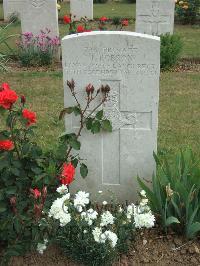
37	3
119	119
155	8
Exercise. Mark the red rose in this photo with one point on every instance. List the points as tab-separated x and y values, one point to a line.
80	29
7	97
103	19
6	145
30	116
125	22
36	193
5	86
67	175
66	19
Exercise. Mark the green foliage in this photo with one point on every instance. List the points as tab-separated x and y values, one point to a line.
100	1
171	47
188	11
21	170
4	37
14	18
175	193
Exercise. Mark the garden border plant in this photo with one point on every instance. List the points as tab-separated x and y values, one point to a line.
175	193
26	172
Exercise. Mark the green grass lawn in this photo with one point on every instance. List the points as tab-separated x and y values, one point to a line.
179	114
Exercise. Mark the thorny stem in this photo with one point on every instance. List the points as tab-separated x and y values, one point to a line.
13	137
83	120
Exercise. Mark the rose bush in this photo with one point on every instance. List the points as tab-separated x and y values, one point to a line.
84	25
188	11
26	171
22	175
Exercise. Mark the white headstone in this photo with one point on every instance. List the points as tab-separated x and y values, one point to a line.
130	64
12	7
81	8
39	15
155	17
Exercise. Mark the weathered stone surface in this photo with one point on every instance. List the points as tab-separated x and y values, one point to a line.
130	64
39	15
155	17
12	6
81	8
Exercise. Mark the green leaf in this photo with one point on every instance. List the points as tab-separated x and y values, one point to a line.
106	125
83	170
75	162
96	127
11	190
89	123
2	207
65	111
171	220
75	144
76	110
99	115
193	230
36	170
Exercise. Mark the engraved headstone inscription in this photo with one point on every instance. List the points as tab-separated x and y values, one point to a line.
155	17
130	64
39	15
81	8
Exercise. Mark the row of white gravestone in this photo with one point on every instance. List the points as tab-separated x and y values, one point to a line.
154	17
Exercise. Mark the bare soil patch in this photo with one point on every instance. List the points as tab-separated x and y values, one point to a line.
151	247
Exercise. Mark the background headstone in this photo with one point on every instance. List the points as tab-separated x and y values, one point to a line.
12	6
155	17
81	8
130	64
39	15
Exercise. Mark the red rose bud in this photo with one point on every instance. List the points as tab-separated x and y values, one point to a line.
89	89
80	29
13	201
29	116
103	19
71	84
67	175
125	22
6	145
66	19
36	193
23	99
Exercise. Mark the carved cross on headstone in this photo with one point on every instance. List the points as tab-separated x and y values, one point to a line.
155	18
121	121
